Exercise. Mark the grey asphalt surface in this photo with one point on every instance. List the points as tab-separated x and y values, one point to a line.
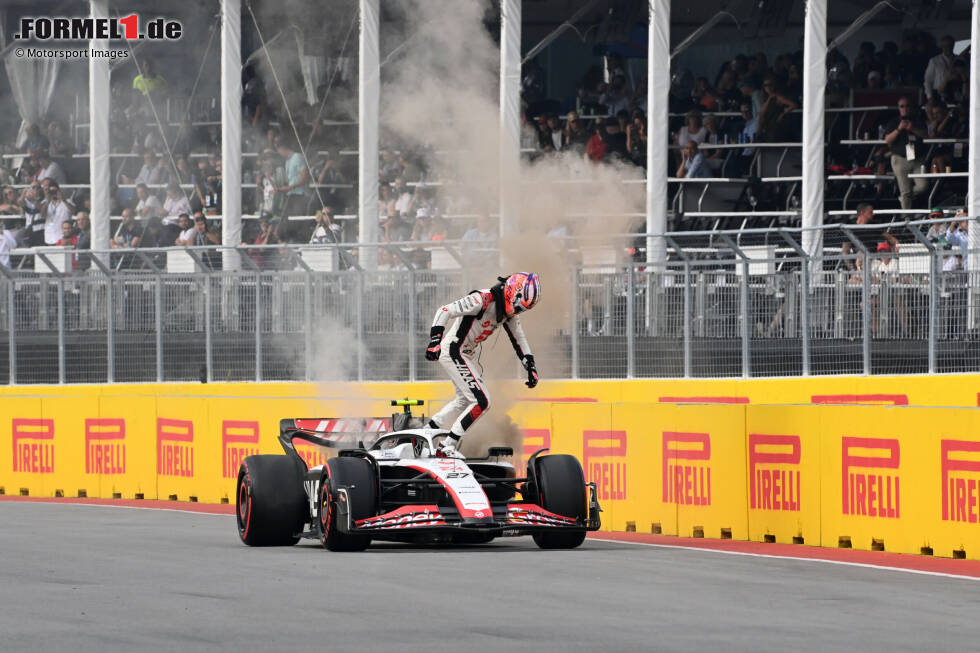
89	578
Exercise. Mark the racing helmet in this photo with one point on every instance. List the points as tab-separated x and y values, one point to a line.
521	292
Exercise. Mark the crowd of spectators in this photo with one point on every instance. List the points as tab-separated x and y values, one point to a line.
175	171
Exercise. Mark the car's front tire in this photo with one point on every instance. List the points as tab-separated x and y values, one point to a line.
560	489
356	476
271	505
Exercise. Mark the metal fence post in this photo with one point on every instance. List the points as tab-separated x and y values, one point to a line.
805	262
575	320
12	330
935	266
630	312
746	323
258	326
412	308
158	324
361	338
687	318
110	335
866	312
805	314
61	330
207	328
308	323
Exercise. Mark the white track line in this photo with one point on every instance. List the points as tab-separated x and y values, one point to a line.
845	563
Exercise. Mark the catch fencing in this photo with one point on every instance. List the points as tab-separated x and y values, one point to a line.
725	304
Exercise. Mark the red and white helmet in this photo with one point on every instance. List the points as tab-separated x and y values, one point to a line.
521	293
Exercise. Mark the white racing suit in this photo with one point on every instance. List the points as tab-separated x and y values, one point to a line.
474	319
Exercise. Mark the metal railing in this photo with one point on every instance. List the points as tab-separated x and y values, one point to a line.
719	307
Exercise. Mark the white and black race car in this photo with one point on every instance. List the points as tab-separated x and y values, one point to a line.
398	489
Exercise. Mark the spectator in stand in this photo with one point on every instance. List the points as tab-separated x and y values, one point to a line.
617	96
404	199
749	87
34	140
938	68
595	149
8	242
9	204
910	63
738	164
692	163
32	201
575	135
941	123
174	204
269	178
903	136
297	178
50	169
128	234
956	88
328	175
325	230
483	232
203	235
864	63
187	231
58	143
55	212
774	119
84	241
440	230
636	140
184	174
147	173
148	204
148	82
703	95
712	156
870	238
693	129
69	237
551	133
615	141
267	236
389	167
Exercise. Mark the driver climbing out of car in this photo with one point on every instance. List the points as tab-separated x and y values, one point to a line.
474	319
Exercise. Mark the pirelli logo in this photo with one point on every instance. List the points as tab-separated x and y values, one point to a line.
175	447
239	440
774	472
687	468
960	481
105	446
604	456
33	444
869	475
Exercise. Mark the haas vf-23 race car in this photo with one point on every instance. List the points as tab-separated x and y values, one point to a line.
398	489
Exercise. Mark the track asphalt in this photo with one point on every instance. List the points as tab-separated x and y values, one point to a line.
93	578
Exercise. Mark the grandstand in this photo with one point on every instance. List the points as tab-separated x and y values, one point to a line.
725	188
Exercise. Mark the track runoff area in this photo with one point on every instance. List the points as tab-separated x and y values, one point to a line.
104	575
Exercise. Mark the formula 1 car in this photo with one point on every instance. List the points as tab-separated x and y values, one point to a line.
398	489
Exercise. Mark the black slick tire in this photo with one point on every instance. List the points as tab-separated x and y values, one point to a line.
561	490
271	504
356	476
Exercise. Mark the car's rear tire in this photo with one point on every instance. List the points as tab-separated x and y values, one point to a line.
356	475
271	503
560	489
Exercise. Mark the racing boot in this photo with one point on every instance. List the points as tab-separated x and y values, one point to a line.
448	447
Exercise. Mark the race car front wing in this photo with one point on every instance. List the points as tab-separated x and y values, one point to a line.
513	518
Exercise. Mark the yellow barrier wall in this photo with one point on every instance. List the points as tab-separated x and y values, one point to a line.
881	462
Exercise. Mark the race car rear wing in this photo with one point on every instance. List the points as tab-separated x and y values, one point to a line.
332	432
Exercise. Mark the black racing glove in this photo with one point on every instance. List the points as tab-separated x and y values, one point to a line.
532	372
433	350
